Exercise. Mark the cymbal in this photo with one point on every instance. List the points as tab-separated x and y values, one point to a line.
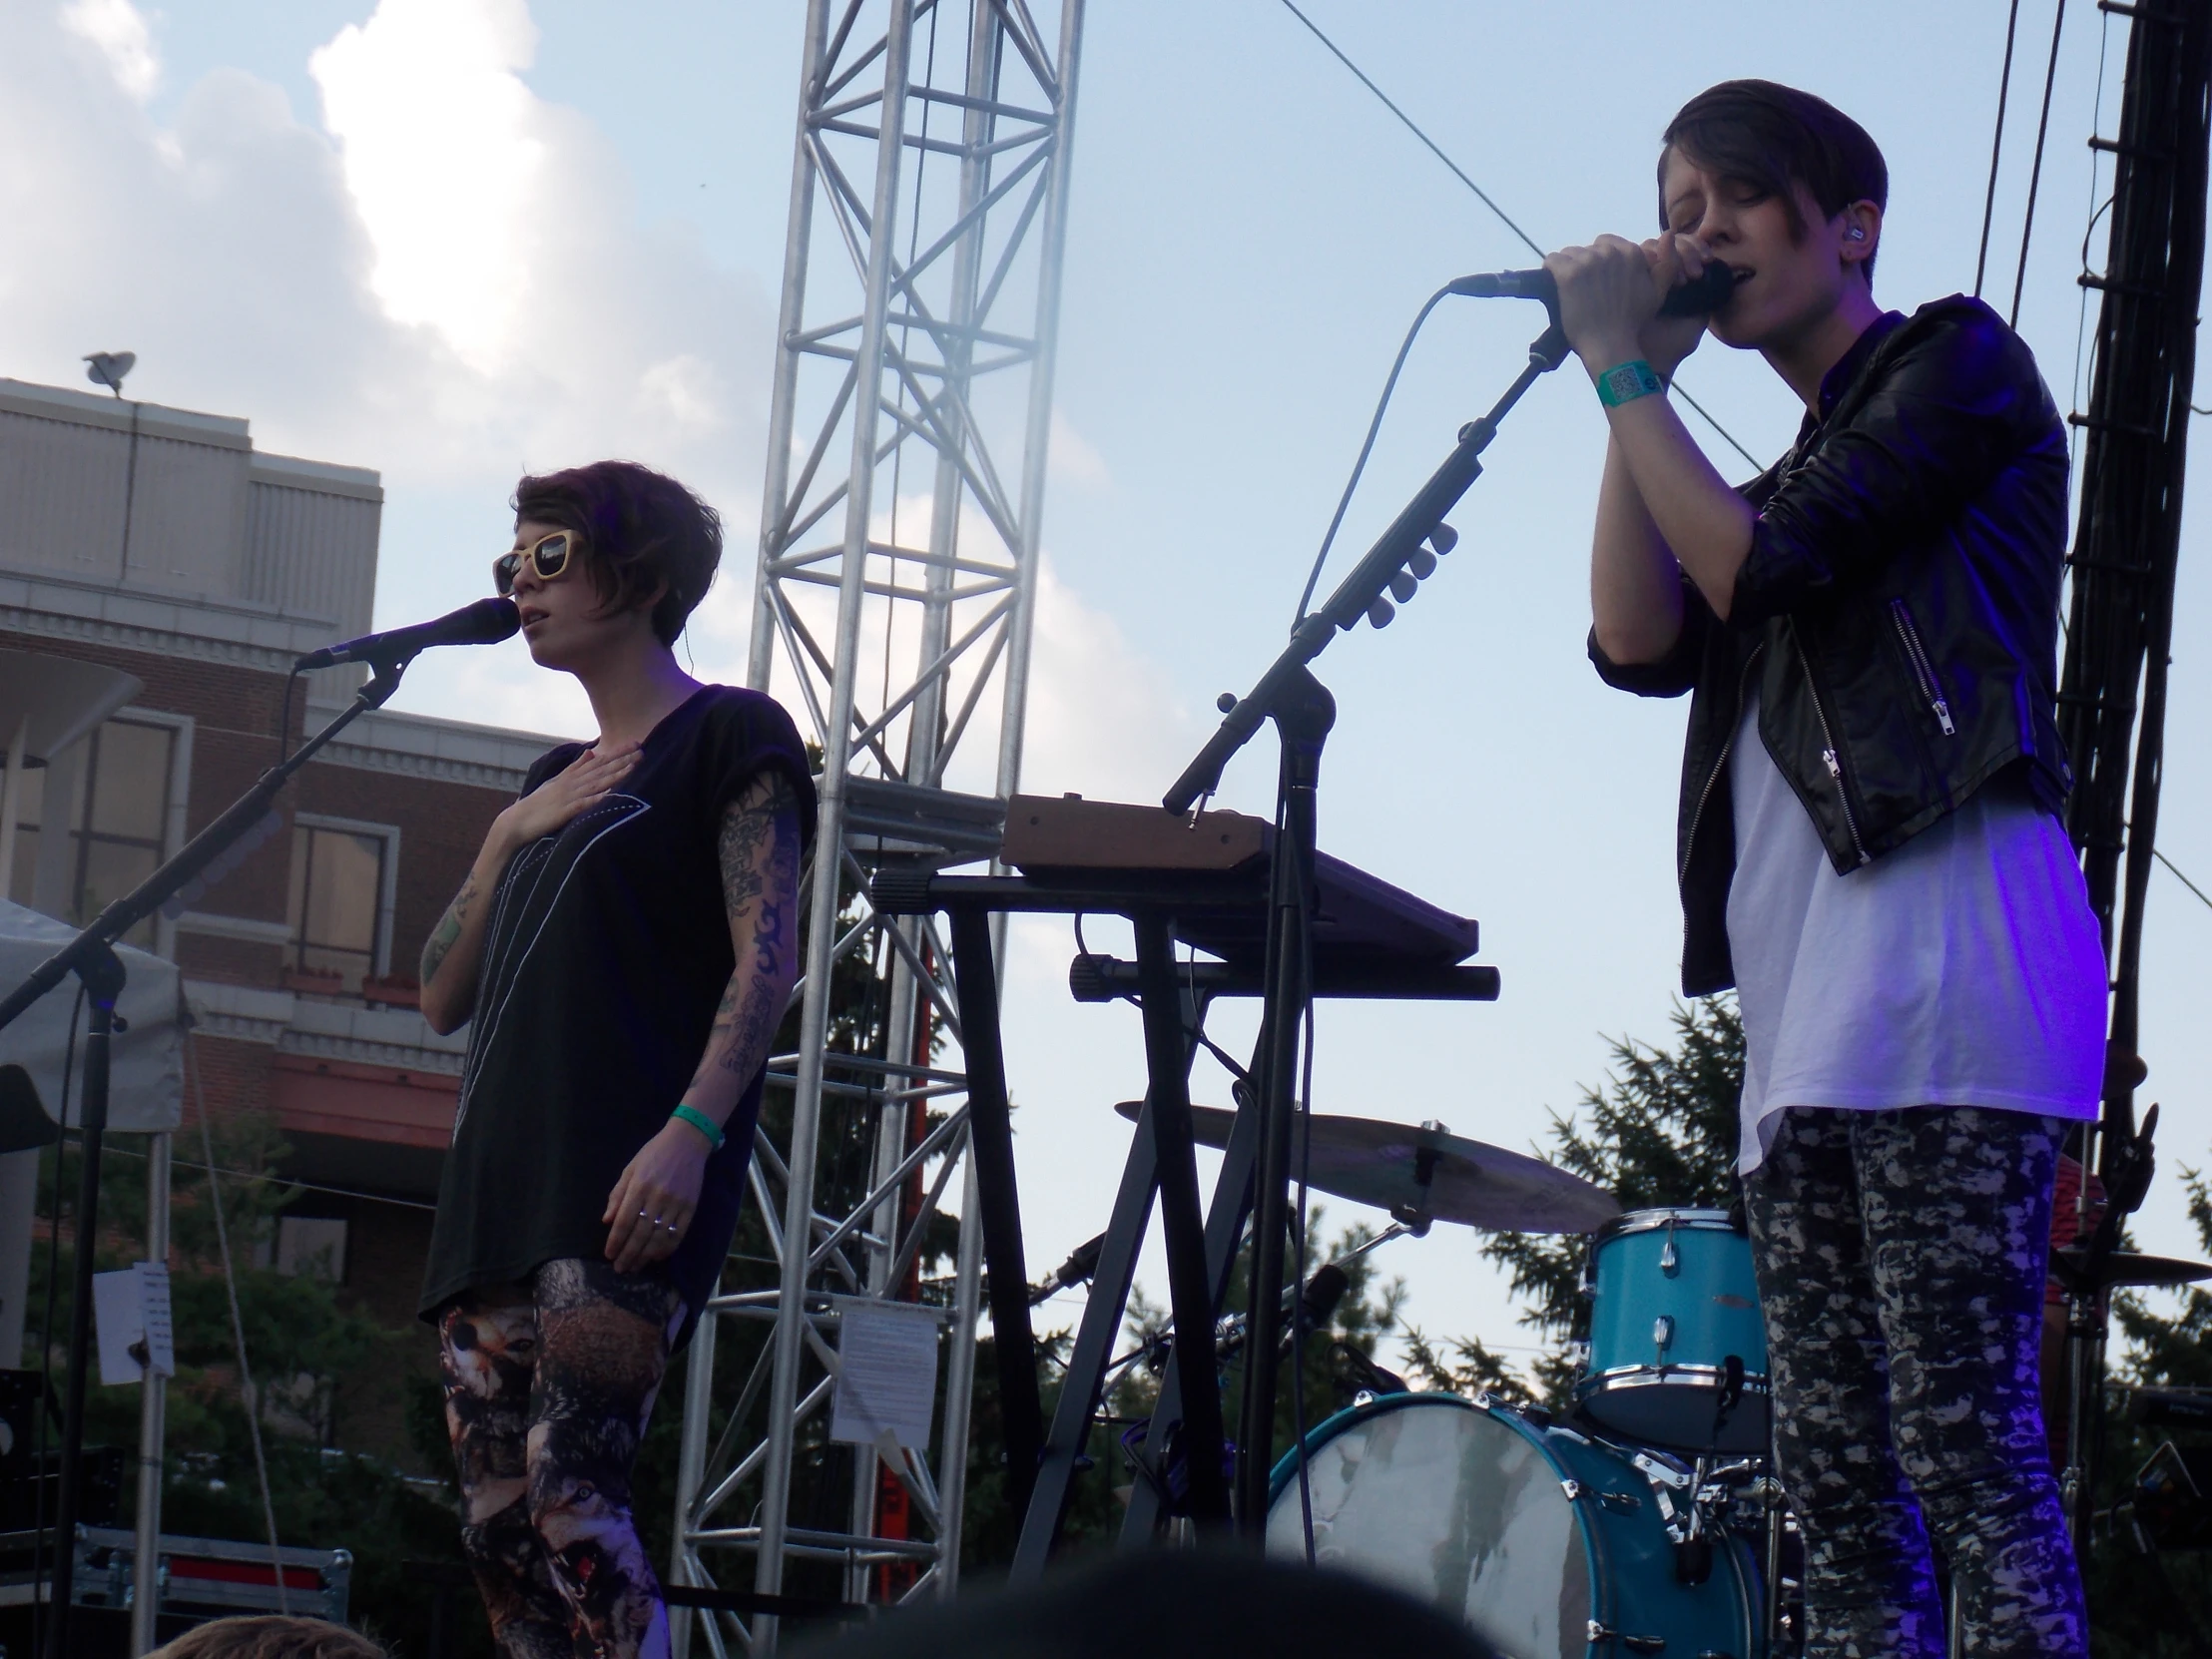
2127	1267
1471	1182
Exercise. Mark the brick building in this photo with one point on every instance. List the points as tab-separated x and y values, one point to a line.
159	542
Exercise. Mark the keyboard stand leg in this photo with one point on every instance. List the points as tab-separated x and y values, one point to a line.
1094	1346
991	1141
1224	1222
1191	1297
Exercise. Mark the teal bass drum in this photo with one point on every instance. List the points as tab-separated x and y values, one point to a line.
1548	1544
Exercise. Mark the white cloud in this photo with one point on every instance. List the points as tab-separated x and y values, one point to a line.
117	31
437	274
1076	459
446	158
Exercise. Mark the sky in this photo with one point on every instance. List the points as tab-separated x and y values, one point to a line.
452	240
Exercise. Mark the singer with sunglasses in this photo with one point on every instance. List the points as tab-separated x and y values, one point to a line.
1868	850
623	950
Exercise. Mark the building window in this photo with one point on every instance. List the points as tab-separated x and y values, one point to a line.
340	879
116	815
30	810
312	1246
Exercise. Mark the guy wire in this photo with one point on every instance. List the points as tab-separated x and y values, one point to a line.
1460	174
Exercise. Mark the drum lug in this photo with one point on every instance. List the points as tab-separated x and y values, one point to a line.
1635	1644
1621	1504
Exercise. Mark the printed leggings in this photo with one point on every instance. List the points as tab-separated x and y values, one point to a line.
1900	1260
548	1387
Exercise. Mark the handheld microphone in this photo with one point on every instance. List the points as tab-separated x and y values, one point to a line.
486	622
1708	292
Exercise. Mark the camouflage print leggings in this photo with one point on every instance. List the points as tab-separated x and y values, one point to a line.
548	1387
1901	1264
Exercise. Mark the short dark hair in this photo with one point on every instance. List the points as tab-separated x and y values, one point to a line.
1773	138
641	529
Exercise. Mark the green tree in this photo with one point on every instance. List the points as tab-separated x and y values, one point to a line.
2157	1605
316	1362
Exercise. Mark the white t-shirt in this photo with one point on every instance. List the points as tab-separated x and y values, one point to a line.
1961	969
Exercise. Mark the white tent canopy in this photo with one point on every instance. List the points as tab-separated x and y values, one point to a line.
145	1081
145	1084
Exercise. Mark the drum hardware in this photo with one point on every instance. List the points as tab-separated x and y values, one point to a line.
1781	1625
2170	1507
1634	1644
2126	1167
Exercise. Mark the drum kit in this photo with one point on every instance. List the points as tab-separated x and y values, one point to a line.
1648	1519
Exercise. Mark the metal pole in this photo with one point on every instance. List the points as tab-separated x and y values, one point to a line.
959	1380
925	729
103	980
690	1468
11	803
1051	258
798	233
146	1574
837	745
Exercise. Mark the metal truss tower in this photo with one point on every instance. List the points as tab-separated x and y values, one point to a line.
896	585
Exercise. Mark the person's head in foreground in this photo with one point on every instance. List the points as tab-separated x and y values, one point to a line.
1170	1604
270	1636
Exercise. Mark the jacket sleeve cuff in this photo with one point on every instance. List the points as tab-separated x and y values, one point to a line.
1670	675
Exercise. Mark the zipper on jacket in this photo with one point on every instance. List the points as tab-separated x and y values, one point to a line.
1728	746
1923	671
1828	753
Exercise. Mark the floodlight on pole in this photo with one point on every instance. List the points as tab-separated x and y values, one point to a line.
107	368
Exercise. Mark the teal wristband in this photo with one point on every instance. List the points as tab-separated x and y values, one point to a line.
702	1122
1625	382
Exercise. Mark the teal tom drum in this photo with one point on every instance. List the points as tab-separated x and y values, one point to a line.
1674	1318
1549	1544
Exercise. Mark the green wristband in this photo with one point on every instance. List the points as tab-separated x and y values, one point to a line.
1625	382
702	1122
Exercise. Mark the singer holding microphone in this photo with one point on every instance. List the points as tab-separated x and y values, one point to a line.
1868	850
624	945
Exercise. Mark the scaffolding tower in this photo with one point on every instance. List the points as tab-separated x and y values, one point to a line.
913	393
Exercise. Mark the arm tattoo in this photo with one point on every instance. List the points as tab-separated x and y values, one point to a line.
759	883
448	929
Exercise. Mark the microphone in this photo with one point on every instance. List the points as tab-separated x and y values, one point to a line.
1079	1266
1322	1294
486	622
1708	292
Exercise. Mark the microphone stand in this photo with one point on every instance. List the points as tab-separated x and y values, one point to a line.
90	957
1303	711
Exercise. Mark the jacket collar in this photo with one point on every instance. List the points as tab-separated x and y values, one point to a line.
1846	369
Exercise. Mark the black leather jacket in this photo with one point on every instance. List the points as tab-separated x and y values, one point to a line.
1899	606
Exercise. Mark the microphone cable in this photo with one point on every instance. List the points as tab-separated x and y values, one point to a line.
1366	448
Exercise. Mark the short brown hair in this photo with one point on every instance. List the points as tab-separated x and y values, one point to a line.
270	1636
1773	138
641	529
